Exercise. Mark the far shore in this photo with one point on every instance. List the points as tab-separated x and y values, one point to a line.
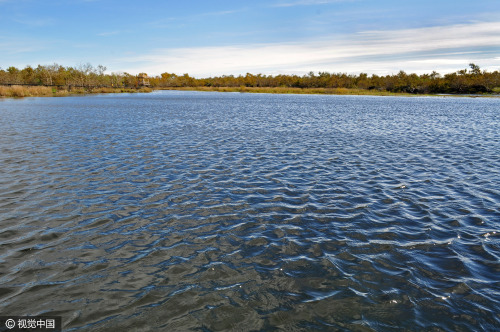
291	90
322	91
18	91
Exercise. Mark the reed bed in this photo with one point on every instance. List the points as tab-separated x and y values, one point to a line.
290	90
25	91
121	90
18	91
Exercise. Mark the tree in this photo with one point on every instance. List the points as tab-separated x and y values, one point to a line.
14	75
50	72
474	69
28	75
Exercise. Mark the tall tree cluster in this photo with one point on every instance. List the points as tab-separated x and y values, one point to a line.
83	75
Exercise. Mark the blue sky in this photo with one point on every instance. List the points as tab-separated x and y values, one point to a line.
207	38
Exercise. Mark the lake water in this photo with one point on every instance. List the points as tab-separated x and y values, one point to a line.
222	211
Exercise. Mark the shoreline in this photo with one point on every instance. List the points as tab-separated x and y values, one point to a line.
17	91
322	91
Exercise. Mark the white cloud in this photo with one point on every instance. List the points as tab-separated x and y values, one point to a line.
109	33
444	48
39	22
166	22
307	3
14	47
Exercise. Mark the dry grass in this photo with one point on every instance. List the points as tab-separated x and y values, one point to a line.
105	90
18	91
39	91
77	91
287	90
62	93
120	90
25	91
145	90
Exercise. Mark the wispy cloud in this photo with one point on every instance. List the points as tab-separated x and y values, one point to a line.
14	47
167	21
220	13
109	33
425	49
35	22
307	3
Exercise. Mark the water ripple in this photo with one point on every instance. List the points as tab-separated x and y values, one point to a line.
207	211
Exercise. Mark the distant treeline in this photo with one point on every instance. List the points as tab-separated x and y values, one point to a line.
84	75
471	80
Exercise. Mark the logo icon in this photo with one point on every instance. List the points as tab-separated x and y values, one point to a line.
10	323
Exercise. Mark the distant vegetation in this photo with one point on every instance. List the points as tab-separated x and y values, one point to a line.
86	78
464	81
56	80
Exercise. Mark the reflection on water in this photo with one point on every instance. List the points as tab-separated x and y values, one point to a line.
207	211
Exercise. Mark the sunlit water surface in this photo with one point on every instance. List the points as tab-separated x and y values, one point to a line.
209	211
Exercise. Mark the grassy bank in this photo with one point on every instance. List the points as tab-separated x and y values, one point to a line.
321	91
45	91
285	90
22	91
